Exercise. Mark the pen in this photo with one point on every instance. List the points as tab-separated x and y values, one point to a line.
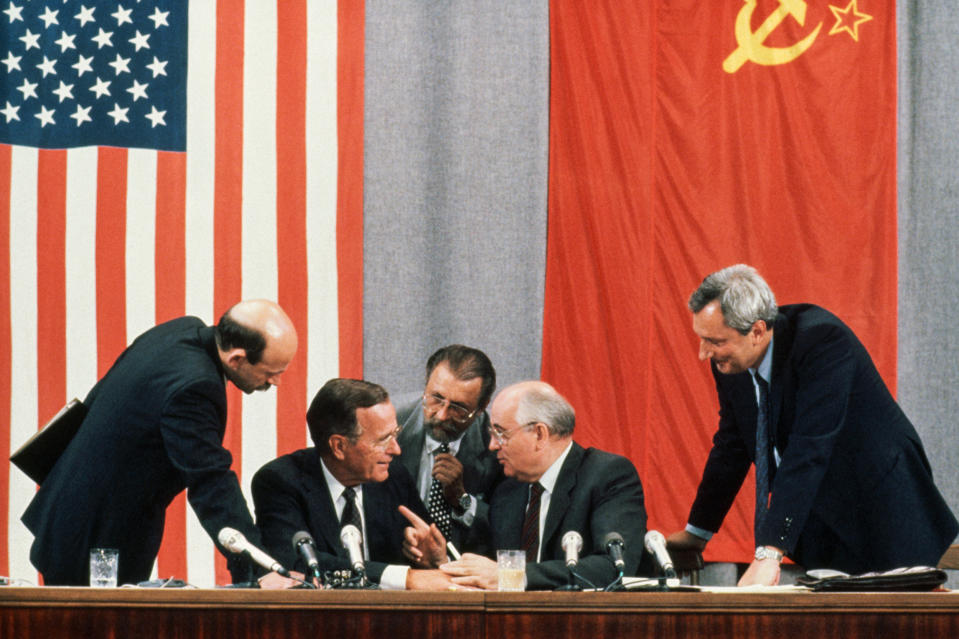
453	552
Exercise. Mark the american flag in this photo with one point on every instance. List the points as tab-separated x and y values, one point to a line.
161	158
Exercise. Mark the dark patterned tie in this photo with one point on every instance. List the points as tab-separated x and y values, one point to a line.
351	514
530	538
762	453
438	507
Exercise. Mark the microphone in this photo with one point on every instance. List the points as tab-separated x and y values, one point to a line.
234	541
572	544
303	543
614	544
656	545
351	539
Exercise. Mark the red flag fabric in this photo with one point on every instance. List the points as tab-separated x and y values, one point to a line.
687	136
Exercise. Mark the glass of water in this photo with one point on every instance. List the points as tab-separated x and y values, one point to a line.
511	565
103	567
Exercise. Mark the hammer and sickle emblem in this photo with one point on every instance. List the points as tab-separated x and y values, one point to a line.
751	45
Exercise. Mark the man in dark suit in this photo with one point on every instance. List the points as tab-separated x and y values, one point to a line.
553	486
154	426
451	414
842	478
349	477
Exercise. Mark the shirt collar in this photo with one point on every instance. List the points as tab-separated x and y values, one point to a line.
549	478
431	444
765	368
335	487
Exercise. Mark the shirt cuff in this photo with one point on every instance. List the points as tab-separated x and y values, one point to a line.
699	532
394	577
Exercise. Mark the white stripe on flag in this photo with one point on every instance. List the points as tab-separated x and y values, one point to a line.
81	285
259	213
23	348
200	172
321	194
141	241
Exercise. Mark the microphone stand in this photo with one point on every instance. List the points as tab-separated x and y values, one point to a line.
571	586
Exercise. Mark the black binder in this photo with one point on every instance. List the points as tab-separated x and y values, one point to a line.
38	454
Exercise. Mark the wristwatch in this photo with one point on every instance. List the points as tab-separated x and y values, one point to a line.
765	552
463	504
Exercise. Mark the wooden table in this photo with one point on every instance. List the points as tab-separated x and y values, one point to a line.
45	613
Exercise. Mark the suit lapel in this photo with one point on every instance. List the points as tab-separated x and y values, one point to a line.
376	517
411	441
325	519
509	513
782	341
560	499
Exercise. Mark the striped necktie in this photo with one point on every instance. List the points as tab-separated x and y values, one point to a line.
762	453
530	537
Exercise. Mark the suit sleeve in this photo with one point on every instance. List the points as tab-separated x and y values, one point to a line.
616	505
192	433
280	513
825	370
726	467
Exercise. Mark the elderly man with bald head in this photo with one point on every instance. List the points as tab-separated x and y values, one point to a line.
553	486
154	427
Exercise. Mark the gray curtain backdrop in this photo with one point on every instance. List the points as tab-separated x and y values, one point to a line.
455	164
456	129
929	231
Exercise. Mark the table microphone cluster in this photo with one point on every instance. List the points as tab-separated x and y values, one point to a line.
354	577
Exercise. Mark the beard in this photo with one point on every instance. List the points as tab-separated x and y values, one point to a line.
442	431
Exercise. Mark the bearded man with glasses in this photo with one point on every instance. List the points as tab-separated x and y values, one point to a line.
445	440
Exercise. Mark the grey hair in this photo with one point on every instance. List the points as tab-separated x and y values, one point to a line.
542	403
744	297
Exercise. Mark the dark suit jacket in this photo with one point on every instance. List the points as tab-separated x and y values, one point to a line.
596	493
155	426
481	470
854	490
290	494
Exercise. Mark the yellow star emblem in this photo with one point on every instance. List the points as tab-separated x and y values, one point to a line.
848	19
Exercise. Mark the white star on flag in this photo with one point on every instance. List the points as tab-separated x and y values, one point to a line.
82	115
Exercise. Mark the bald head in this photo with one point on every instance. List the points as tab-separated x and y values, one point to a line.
532	425
536	401
257	341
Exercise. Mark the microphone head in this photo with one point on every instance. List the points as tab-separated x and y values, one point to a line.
654	537
302	537
572	539
231	539
349	533
613	538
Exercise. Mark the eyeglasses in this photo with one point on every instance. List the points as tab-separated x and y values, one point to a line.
503	436
384	443
457	412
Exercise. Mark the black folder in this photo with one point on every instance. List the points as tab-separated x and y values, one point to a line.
38	454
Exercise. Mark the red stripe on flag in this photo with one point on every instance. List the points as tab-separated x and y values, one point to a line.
170	236
51	282
5	354
228	202
111	256
291	213
349	200
170	273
